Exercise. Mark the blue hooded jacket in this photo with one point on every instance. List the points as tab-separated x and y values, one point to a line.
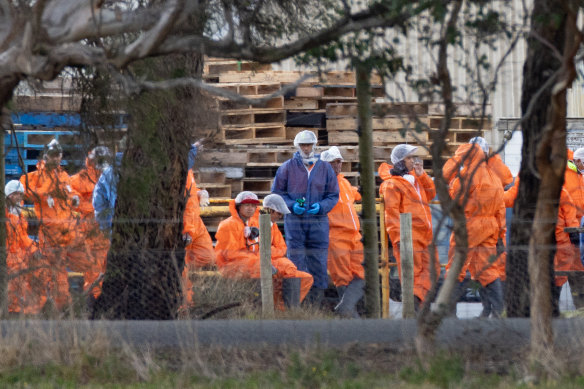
293	182
105	194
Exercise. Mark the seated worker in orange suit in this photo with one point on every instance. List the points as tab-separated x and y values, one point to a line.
237	248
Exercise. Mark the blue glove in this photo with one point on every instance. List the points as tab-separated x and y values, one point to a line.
298	210
314	209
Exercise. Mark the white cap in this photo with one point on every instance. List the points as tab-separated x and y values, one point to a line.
304	137
482	142
579	154
277	203
399	152
13	186
246	197
331	154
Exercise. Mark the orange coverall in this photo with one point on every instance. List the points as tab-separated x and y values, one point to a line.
345	254
402	197
485	215
90	237
238	256
495	163
574	184
199	252
26	292
58	224
567	256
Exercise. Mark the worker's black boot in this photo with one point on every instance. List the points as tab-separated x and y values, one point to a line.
291	292
353	293
495	294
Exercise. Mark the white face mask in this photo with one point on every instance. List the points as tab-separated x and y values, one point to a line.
410	178
306	156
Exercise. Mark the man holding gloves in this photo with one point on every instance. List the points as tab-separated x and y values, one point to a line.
310	189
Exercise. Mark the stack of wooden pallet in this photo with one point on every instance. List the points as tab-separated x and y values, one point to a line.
255	141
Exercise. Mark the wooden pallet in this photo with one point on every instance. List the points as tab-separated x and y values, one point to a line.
259	157
259	186
291	132
378	109
248	118
333	78
349	123
251	88
226	105
216	190
255	134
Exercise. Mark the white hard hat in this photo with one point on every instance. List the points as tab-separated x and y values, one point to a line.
579	154
482	142
331	154
304	137
277	203
399	152
13	186
246	197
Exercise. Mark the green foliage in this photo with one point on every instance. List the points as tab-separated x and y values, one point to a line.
442	371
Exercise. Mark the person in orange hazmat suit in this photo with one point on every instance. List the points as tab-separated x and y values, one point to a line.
49	188
345	255
479	188
90	237
26	291
405	192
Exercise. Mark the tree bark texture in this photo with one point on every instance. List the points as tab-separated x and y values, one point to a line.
430	319
550	159
146	258
369	220
7	87
547	29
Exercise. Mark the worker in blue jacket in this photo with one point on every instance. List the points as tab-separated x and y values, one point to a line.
310	189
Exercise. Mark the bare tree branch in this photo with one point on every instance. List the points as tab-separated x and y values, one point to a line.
143	46
230	49
135	87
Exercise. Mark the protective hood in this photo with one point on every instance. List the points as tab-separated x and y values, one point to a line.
384	171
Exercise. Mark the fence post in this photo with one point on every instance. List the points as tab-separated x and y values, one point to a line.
385	291
266	266
407	264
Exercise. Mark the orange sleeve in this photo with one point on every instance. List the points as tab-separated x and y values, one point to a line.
356	194
428	185
279	247
450	168
500	169
392	199
510	195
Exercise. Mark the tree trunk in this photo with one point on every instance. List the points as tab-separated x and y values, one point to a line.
540	64
430	319
369	220
146	258
550	157
7	87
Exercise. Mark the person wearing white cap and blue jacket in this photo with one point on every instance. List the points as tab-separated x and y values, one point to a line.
310	189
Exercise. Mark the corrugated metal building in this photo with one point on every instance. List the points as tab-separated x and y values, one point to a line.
505	101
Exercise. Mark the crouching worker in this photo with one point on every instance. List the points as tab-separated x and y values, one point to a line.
237	249
295	283
345	255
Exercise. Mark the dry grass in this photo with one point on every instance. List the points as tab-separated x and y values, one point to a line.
40	360
222	298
